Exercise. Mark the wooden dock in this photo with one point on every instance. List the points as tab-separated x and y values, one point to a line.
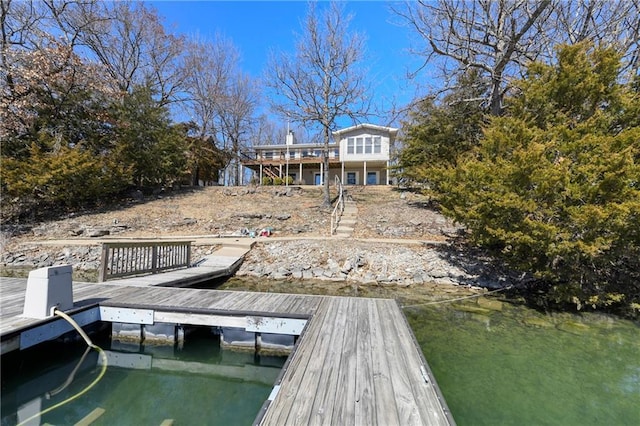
356	362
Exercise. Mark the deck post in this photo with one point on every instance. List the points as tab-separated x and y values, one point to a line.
154	259
365	173
104	263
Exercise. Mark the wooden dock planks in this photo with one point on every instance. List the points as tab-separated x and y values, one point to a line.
356	362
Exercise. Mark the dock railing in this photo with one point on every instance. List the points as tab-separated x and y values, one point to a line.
122	259
336	214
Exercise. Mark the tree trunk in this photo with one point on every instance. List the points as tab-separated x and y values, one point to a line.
326	200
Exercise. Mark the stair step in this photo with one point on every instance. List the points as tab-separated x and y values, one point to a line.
344	229
347	220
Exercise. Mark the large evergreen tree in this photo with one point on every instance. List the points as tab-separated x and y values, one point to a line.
554	186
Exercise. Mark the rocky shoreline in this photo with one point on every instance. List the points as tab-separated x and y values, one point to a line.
359	261
366	262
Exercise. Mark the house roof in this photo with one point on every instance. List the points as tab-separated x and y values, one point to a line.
391	130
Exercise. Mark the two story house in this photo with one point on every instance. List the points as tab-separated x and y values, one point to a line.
359	155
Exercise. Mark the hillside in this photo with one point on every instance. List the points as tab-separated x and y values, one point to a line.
398	238
385	212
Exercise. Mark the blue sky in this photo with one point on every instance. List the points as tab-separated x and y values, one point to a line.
257	27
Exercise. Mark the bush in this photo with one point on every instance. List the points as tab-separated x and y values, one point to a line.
67	178
267	180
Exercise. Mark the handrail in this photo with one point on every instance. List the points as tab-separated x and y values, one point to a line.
121	259
336	214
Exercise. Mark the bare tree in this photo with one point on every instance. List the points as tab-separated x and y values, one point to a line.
208	67
132	44
602	22
221	100
494	37
235	114
267	132
500	38
324	80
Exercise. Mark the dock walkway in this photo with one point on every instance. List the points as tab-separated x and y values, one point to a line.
356	361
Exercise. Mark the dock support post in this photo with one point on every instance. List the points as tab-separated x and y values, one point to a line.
258	342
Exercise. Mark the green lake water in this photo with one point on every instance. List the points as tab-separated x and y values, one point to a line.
520	367
197	385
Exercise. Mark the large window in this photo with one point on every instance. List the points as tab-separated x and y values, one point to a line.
368	145
377	145
364	145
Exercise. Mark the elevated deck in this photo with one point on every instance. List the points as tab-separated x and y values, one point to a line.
355	363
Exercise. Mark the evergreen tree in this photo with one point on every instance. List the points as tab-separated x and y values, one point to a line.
554	186
147	142
438	132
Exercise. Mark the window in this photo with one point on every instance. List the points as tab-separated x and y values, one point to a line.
377	145
317	153
351	146
368	145
336	153
268	155
359	147
351	178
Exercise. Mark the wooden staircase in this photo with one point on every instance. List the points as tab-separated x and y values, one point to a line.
348	219
269	172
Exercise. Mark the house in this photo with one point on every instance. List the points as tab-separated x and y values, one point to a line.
358	155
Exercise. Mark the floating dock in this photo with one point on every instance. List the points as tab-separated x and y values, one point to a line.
355	361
